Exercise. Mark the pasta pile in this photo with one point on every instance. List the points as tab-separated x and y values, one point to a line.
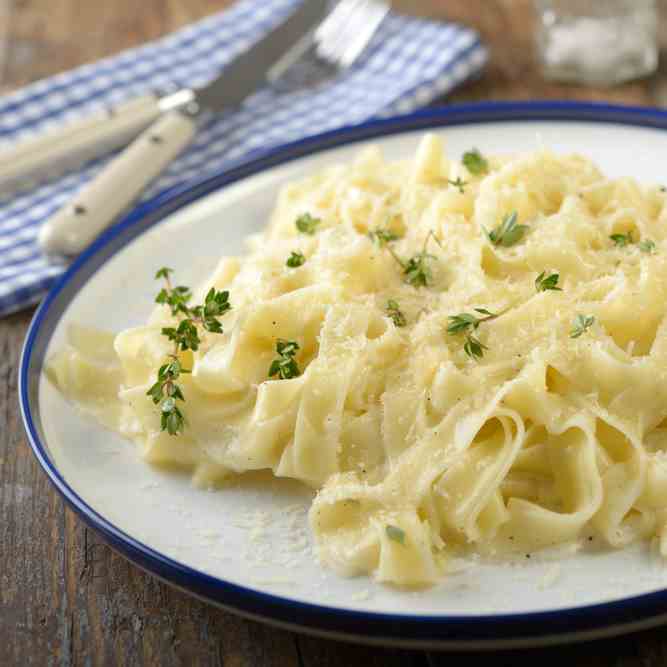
554	429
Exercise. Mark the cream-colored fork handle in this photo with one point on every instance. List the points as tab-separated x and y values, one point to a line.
100	202
55	151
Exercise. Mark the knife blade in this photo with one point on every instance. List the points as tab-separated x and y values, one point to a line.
248	71
101	201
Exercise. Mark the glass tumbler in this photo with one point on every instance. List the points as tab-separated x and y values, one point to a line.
598	42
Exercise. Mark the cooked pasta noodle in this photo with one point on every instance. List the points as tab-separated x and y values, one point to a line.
553	429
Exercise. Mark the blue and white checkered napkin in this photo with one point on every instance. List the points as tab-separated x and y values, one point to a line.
409	63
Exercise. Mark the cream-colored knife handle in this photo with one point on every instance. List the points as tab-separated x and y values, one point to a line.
53	152
100	202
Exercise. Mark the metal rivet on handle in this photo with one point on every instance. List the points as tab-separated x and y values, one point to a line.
80	210
156	139
192	108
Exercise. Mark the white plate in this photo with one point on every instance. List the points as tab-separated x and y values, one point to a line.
247	546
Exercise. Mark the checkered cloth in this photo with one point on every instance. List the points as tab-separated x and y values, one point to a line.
409	62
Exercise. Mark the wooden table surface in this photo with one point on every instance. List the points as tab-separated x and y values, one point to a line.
66	598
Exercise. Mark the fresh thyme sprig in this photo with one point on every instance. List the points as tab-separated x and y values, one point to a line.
467	323
295	259
581	324
285	366
395	313
475	162
647	246
508	232
545	282
395	533
381	236
166	391
417	270
307	224
458	183
622	240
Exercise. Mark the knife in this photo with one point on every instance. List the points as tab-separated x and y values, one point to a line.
99	202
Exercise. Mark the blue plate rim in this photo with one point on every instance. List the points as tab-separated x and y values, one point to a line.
454	631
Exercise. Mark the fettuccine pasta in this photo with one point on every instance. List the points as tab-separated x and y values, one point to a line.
482	360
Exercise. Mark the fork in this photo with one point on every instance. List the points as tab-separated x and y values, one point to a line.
334	45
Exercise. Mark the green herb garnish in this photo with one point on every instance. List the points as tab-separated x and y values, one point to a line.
166	391
581	324
395	313
467	323
545	282
459	184
285	366
395	533
464	321
417	270
382	236
508	232
295	259
621	240
475	162
185	335
306	224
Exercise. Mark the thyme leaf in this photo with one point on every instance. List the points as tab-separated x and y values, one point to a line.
475	162
285	366
307	224
295	259
508	232
395	313
581	324
545	282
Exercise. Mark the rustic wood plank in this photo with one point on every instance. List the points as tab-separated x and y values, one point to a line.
65	597
645	649
316	652
5	13
46	37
